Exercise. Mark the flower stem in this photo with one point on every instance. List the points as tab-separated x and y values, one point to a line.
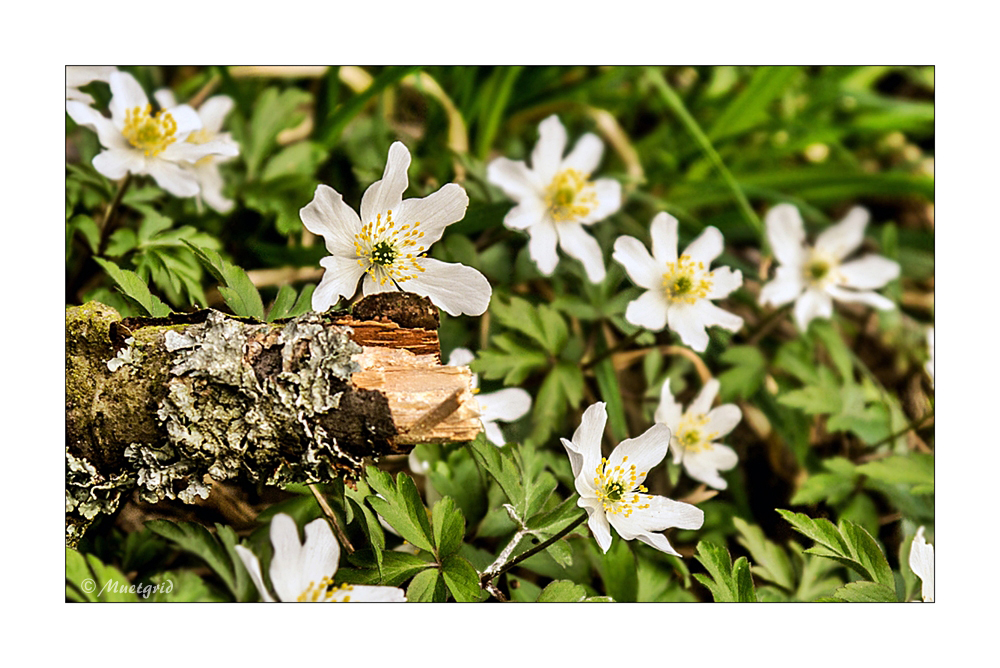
495	571
328	511
107	224
621	345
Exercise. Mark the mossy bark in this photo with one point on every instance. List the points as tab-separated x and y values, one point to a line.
172	404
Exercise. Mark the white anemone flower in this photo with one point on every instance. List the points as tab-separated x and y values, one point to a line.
304	573
212	113
386	246
507	405
814	276
922	564
679	290
81	75
556	198
694	431
930	349
137	141
611	489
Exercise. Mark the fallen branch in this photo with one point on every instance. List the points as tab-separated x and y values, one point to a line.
170	405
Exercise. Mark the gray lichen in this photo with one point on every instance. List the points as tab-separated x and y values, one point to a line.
89	492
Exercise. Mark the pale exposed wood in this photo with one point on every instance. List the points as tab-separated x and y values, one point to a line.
429	403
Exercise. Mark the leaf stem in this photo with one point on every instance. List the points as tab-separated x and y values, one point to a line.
677	105
328	511
106	225
493	572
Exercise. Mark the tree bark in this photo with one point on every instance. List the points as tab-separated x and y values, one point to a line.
170	405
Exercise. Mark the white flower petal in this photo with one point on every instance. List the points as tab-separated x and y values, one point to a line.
713	316
187	120
597	520
434	212
586	155
785	287
320	554
287	558
115	163
548	152
644	452
706	247
922	564
372	286
192	153
451	286
328	216
871	271
873	299
514	178
368	594
638	263
340	280
126	93
107	133
587	439
785	233
659	542
173	178
575	458
542	246
583	247
685	320
213	112
508	404
723	419
668	412
663	513
165	98
724	281
210	180
702	403
493	434
81	75
701	466
841	239
812	304
386	194
253	567
663	230
650	310
460	357
531	211
609	200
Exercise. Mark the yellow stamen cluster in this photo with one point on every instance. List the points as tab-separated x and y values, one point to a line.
324	592
616	488
148	132
686	280
690	433
386	252
201	137
570	196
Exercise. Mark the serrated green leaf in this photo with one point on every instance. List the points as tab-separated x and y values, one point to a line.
771	562
508	360
728	582
282	303
303	157
273	112
743	582
197	540
562	591
820	530
865	592
88	229
867	553
561	390
243	588
745	376
910	469
89	579
183	587
401	507
397	568
237	289
502	468
461	578
448	526
426	587
135	289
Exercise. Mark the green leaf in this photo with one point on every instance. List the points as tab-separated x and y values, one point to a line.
865	592
835	346
562	591
750	107
561	390
746	374
338	119
867	553
822	531
303	303
88	229
913	469
243	587
366	519
238	290
135	289
541	323
557	519
397	568
730	583
508	360
302	157
88	579
448	525
219	556
822	398
401	507
427	587
619	572
273	112
772	563
607	383
182	587
461	578
282	303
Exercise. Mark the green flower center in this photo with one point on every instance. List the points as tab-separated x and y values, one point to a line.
383	253
818	269
570	196
614	491
686	280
